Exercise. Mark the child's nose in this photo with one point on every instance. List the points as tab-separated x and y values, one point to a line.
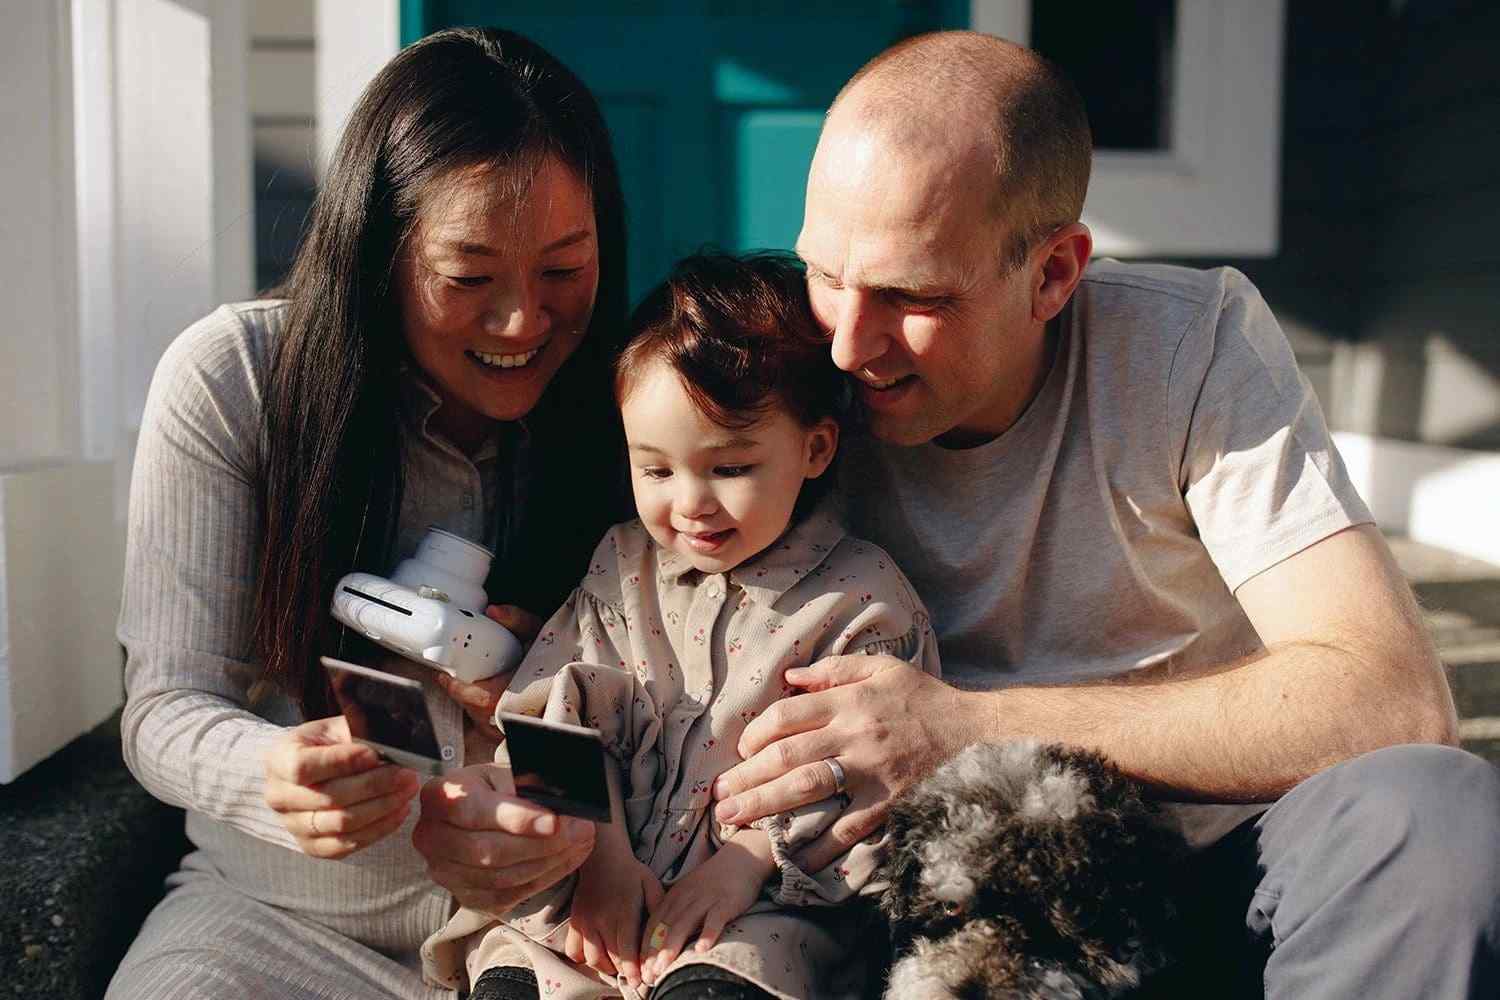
696	500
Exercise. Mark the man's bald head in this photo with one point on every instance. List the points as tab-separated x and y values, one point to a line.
989	99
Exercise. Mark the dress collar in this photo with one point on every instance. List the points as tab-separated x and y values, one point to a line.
786	562
420	399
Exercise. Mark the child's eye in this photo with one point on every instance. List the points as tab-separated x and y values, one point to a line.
731	471
655	472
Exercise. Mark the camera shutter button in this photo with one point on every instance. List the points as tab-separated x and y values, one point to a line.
432	593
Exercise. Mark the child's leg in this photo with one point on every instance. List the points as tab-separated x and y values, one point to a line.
506	982
706	982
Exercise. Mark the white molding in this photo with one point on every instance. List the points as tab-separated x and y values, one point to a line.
1448	497
61	566
1217	192
355	38
98	301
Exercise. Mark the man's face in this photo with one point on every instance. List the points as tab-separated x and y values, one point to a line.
904	269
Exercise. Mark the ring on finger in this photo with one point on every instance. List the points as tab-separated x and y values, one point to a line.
658	936
839	777
312	822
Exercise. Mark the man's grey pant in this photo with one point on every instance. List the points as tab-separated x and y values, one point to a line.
1379	877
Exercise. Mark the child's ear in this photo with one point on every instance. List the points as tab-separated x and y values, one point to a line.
822	445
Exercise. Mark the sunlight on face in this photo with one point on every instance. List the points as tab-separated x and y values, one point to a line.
494	298
714	495
903	270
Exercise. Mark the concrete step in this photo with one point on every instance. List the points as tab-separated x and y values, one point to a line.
1460	600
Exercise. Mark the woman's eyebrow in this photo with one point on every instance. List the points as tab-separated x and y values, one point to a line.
483	250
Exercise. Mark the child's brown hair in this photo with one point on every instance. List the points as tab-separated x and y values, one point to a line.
740	334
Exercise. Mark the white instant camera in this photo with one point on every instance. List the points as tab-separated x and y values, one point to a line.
431	610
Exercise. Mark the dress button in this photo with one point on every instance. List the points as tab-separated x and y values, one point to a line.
448	753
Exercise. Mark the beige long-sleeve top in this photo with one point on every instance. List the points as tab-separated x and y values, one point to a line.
191	735
671	664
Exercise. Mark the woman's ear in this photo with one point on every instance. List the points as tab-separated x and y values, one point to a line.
822	443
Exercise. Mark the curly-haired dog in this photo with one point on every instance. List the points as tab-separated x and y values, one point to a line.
1024	870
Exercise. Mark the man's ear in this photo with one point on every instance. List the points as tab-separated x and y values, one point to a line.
1063	258
822	445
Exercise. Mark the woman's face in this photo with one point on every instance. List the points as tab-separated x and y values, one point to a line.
495	296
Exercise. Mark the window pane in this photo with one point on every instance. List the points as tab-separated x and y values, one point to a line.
1120	56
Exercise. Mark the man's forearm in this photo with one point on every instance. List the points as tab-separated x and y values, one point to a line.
1245	732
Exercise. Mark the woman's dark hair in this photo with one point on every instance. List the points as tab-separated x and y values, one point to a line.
331	489
741	335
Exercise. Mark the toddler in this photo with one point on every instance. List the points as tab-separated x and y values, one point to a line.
678	636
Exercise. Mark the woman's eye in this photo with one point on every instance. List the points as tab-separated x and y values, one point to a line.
731	471
468	280
653	472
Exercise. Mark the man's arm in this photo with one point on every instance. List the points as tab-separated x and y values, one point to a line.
1347	668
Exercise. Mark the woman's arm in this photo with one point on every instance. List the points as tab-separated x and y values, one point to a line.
187	730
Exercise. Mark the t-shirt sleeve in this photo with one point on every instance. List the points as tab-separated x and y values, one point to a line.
185	620
1257	466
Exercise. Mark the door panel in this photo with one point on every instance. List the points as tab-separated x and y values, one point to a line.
715	108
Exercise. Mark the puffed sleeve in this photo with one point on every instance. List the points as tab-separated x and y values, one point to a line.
190	564
577	672
891	620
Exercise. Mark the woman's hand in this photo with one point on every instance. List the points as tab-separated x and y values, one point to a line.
490	848
333	795
479	699
612	899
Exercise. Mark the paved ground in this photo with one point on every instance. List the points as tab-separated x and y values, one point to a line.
1461	601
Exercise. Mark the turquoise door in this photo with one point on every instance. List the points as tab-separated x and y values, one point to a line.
714	106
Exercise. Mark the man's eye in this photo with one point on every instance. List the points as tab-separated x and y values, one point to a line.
732	471
562	273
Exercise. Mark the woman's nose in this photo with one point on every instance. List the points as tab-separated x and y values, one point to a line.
516	314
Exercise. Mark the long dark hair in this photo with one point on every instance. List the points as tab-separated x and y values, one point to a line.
331	486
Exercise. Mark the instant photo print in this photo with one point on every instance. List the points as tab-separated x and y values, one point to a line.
387	713
558	766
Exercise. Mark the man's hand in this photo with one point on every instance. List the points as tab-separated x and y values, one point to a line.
613	896
489	848
888	724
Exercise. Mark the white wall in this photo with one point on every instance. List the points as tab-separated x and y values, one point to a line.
124	215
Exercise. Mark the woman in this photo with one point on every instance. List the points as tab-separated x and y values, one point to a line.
439	358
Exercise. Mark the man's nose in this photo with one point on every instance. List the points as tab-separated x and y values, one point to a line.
858	335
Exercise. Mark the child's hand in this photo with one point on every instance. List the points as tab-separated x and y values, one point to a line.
701	903
612	896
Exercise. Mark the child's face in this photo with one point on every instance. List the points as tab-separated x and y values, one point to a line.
717	496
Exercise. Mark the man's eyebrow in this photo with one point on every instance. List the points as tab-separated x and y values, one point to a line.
483	250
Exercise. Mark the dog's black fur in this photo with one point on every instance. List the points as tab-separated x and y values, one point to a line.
1022	870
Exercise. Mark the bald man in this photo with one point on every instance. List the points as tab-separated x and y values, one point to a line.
1119	497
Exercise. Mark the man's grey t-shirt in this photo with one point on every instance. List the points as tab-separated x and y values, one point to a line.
1173	452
